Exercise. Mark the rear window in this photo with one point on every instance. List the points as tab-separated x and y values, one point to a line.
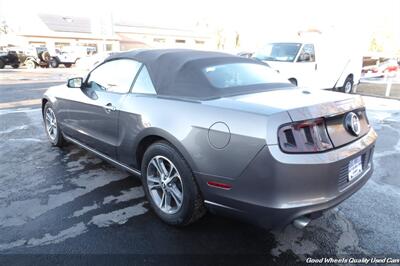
241	74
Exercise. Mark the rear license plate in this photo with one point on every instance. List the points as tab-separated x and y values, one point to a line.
355	168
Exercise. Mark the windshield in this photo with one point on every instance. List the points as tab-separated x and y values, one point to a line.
241	74
284	52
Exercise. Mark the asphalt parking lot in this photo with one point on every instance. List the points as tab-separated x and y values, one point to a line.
67	201
378	86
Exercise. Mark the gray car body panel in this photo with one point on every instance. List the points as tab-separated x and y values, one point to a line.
265	181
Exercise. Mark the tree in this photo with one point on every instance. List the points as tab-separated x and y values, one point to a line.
374	46
3	27
237	40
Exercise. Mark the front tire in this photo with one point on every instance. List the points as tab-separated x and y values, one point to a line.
53	63
170	186
30	64
293	81
53	130
2	64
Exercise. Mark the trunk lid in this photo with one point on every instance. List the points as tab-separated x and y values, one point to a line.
302	104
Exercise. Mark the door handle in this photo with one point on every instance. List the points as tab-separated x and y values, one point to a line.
109	107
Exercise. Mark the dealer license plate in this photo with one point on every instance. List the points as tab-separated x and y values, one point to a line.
355	168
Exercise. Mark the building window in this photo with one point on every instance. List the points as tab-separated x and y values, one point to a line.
38	44
108	47
61	45
159	40
91	47
180	41
199	42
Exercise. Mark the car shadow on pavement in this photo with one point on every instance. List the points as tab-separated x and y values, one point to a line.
90	198
85	206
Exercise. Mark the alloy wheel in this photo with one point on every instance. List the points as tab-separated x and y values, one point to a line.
165	184
51	124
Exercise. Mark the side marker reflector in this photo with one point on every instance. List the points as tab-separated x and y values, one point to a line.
219	185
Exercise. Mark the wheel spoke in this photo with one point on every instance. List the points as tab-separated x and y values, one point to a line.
176	195
171	178
153	182
154	186
48	116
162	200
155	164
154	179
168	201
162	166
171	169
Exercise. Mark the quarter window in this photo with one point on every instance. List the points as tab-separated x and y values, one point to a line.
143	83
307	54
241	74
114	76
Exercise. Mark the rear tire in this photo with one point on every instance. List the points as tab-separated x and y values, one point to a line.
67	65
2	64
348	85
15	66
52	128
183	186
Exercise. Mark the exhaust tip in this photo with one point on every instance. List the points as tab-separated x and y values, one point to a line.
301	222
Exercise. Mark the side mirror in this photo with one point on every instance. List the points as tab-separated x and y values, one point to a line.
75	83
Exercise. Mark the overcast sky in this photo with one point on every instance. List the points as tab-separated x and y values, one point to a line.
228	13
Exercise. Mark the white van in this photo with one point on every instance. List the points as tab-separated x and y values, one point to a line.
315	65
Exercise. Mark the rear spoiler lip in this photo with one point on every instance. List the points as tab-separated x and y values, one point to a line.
327	109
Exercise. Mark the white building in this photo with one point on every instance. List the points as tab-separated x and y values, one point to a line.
99	34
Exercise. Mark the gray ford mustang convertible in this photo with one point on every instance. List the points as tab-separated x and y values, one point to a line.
208	130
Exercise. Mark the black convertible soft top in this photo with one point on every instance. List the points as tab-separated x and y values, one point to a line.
178	72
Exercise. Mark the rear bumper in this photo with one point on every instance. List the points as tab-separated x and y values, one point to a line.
276	187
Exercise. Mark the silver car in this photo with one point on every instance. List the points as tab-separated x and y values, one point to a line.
212	131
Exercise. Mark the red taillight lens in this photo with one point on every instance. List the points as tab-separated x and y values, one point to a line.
304	137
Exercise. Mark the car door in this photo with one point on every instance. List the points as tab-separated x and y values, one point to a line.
94	109
306	67
133	117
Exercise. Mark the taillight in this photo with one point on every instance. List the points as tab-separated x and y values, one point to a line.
304	137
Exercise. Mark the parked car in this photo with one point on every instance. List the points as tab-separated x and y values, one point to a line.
67	56
9	58
62	58
208	130
388	66
37	57
314	64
